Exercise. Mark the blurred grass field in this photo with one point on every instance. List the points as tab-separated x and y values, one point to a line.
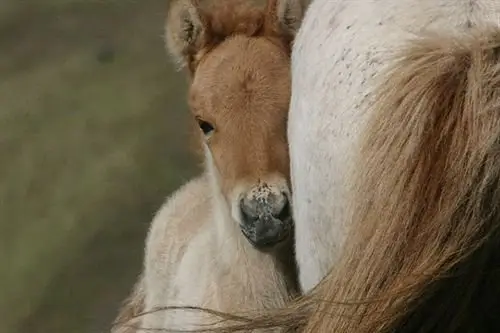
93	131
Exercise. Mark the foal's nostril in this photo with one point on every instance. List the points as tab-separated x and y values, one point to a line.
247	211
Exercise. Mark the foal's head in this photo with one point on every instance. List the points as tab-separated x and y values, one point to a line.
238	58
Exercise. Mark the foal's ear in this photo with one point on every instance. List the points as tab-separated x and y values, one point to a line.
185	31
286	14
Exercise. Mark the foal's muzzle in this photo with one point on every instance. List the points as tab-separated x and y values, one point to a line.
266	219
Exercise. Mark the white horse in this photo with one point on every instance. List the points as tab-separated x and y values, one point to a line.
224	240
339	50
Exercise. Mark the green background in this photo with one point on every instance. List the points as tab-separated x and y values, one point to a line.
93	136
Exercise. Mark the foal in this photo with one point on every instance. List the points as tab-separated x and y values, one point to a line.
224	240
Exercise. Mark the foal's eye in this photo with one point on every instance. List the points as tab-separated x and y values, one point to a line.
205	126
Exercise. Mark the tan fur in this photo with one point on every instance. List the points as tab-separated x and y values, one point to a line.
238	59
255	144
425	200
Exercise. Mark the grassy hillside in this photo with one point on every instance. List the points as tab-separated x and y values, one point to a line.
92	138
